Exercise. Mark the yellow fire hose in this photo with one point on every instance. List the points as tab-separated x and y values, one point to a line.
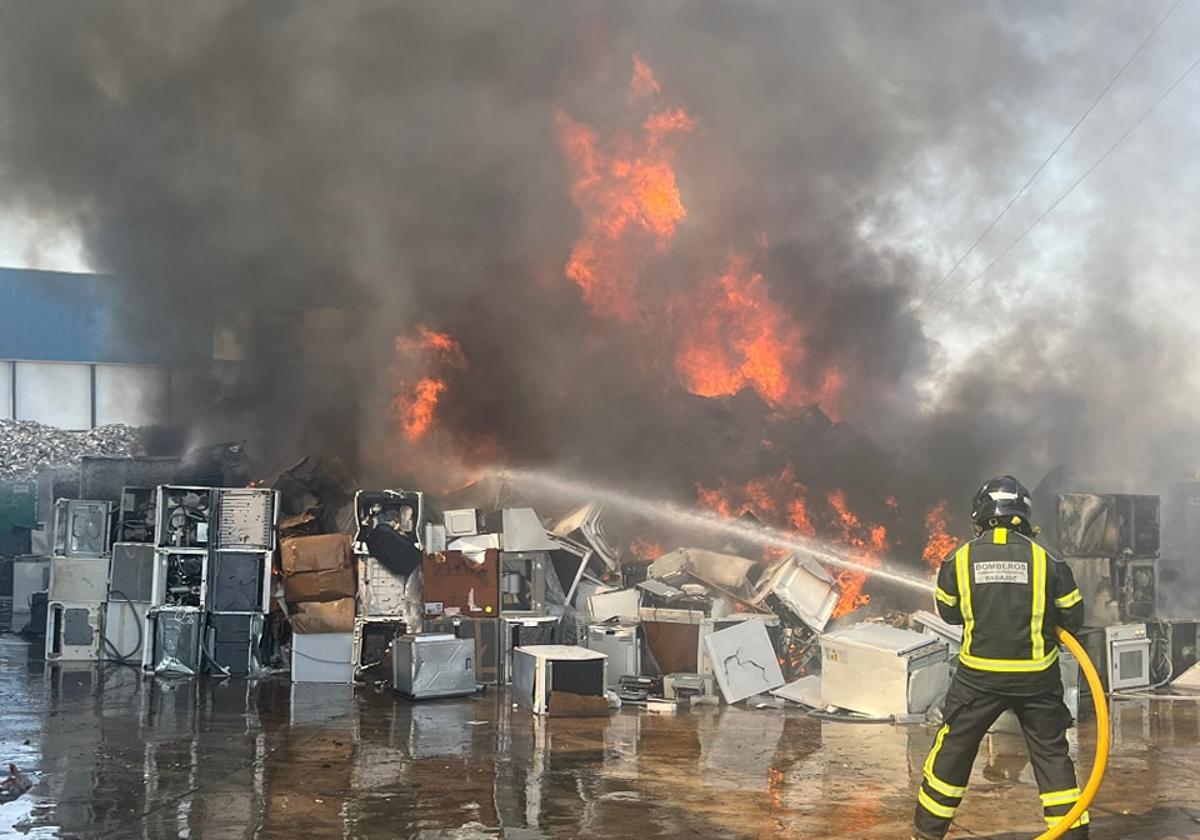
1100	762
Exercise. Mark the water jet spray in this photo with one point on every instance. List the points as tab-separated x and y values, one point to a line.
673	514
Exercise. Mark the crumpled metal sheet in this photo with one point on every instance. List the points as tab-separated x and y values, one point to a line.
26	447
725	571
177	642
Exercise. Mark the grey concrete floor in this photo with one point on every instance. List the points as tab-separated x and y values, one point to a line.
116	755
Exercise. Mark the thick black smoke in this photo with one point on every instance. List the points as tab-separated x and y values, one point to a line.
255	161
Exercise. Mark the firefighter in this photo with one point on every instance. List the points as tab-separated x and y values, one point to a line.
1008	594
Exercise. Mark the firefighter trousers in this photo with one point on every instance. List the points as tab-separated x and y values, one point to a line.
969	713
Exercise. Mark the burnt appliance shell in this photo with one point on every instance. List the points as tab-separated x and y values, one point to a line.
541	670
131	572
173	645
82	528
136	517
523	582
489	646
238	581
374	639
526	631
232	642
1108	525
73	632
389	528
184	516
246	518
432	665
179	578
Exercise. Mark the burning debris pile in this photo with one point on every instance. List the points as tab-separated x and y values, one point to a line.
335	583
755	594
702	622
26	447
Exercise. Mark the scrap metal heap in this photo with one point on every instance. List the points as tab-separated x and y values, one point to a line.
26	447
334	583
561	611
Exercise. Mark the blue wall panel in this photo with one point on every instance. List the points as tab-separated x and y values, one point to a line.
55	316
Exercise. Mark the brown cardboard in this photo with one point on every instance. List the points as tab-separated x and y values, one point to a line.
568	704
329	585
329	617
315	554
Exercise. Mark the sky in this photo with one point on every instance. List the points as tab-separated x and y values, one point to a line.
51	246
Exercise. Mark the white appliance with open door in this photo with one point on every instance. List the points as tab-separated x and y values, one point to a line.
1128	656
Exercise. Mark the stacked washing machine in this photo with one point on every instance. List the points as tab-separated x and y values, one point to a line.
388	551
238	582
130	577
78	589
211	579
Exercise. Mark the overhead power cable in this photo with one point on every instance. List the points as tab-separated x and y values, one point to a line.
1075	184
1054	152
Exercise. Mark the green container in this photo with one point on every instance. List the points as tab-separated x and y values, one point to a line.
18	505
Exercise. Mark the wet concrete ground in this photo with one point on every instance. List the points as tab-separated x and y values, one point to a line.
116	755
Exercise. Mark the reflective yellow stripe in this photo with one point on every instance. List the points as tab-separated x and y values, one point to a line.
1069	600
946	598
943	788
962	569
1082	821
934	808
1009	666
1000	536
1039	602
1060	797
937	746
934	782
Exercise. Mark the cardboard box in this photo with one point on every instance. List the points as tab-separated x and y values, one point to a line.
329	585
323	617
315	554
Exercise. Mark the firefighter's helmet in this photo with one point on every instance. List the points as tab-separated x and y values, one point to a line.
1003	502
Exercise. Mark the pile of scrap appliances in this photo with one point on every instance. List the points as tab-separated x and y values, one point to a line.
337	584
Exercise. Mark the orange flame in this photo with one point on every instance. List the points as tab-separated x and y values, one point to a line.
731	335
738	337
626	189
866	542
716	500
643	83
940	542
782	500
773	499
414	407
645	550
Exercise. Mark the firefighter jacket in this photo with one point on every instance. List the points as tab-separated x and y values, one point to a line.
1009	595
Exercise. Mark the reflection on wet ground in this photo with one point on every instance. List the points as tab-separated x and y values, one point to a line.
115	755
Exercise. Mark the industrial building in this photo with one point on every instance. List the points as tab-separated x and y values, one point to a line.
68	359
